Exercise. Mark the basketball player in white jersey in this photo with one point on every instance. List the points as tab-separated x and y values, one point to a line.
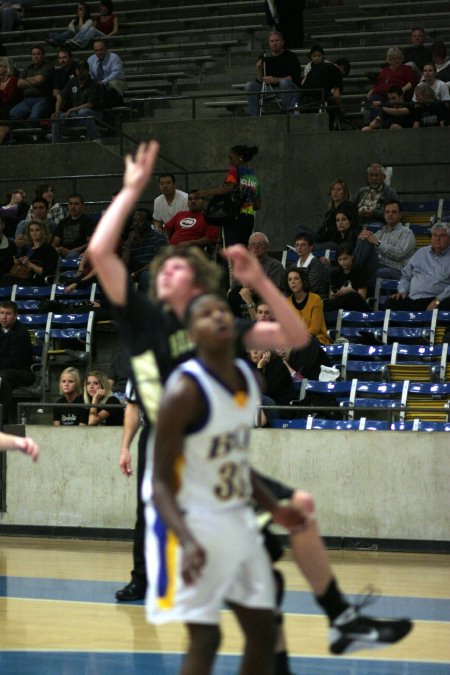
211	551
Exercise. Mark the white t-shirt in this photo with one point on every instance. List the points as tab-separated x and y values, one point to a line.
163	211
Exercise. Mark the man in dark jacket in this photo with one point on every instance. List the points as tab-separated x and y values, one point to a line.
15	356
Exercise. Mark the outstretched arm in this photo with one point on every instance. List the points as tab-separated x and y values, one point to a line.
25	445
288	329
111	271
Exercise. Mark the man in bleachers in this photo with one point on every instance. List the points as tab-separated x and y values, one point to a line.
258	245
15	357
40	213
370	199
142	245
35	81
189	228
80	102
425	280
72	233
417	55
64	71
106	68
442	63
389	248
280	72
170	201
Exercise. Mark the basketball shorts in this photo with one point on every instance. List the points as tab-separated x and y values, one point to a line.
237	567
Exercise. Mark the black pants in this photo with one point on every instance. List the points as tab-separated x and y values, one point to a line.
418	305
139	571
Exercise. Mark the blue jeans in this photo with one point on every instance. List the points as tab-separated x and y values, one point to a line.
74	120
32	108
284	94
60	38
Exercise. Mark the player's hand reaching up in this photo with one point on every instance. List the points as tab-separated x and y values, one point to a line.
138	169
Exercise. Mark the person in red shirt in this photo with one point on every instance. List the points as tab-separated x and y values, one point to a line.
189	228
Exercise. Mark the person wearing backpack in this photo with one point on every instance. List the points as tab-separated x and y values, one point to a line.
240	182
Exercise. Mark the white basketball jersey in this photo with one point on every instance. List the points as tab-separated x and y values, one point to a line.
214	472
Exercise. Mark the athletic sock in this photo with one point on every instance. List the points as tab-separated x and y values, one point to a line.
332	601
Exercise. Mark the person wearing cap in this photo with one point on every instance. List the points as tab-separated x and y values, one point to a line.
80	98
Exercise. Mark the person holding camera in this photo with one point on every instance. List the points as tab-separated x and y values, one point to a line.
279	73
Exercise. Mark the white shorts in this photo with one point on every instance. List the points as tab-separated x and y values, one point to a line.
237	568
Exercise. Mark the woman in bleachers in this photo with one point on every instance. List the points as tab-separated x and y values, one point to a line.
339	198
429	77
9	93
106	23
40	259
396	73
81	20
97	390
56	211
14	210
347	230
348	283
70	390
308	304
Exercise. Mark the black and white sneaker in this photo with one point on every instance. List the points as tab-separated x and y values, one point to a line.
351	631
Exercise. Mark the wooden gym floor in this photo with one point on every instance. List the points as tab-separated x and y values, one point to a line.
58	615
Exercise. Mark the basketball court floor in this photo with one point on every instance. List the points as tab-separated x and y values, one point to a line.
58	614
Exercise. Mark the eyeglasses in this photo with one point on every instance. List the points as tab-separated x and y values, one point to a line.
257	244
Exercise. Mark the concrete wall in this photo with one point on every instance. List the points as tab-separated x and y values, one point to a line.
391	485
295	167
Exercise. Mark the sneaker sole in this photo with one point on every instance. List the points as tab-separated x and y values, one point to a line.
343	645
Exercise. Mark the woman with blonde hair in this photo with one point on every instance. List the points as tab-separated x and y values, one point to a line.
97	390
40	259
70	390
339	195
396	73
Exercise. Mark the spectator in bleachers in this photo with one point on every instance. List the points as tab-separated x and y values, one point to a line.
15	357
442	63
395	114
8	250
11	14
385	253
429	77
347	230
417	55
36	83
39	212
348	283
242	175
14	210
72	233
9	92
97	390
395	73
39	257
425	280
339	198
281	71
370	199
106	24
189	228
56	211
82	20
106	68
142	245
240	298
428	112
321	74
277	385
64	71
80	102
70	389
170	201
307	303
313	268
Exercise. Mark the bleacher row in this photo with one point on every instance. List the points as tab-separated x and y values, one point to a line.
171	48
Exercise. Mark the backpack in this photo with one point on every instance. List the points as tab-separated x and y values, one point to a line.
224	210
